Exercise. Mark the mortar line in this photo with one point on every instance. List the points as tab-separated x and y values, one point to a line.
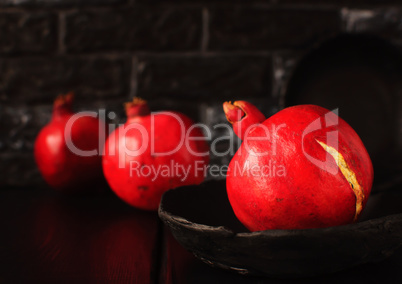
205	30
61	33
133	78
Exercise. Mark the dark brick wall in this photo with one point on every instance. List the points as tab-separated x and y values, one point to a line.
33	33
270	29
206	78
182	55
133	29
37	79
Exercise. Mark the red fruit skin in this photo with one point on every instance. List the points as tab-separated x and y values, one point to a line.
303	195
243	116
135	187
62	169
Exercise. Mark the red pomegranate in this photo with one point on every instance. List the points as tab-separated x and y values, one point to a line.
152	153
303	167
67	150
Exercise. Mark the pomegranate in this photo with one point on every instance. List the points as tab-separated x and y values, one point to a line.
303	167
67	149
152	153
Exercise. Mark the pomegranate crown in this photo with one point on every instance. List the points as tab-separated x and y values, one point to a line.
233	113
137	107
62	104
242	115
64	100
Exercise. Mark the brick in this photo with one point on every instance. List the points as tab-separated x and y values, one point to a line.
27	33
36	80
297	3
60	3
381	22
259	29
20	125
202	2
211	77
341	3
67	3
138	29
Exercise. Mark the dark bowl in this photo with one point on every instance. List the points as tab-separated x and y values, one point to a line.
202	221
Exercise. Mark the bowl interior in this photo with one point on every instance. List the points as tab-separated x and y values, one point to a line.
208	204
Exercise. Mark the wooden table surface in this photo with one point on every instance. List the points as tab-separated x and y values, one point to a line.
49	238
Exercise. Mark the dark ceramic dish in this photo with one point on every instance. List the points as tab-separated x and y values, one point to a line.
201	219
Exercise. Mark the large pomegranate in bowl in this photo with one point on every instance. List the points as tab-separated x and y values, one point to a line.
302	168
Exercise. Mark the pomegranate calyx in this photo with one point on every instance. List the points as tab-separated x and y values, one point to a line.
349	175
233	113
63	104
138	107
242	115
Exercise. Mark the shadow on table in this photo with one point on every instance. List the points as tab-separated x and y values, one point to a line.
51	238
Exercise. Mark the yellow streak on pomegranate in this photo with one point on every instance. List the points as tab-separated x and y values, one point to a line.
349	175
